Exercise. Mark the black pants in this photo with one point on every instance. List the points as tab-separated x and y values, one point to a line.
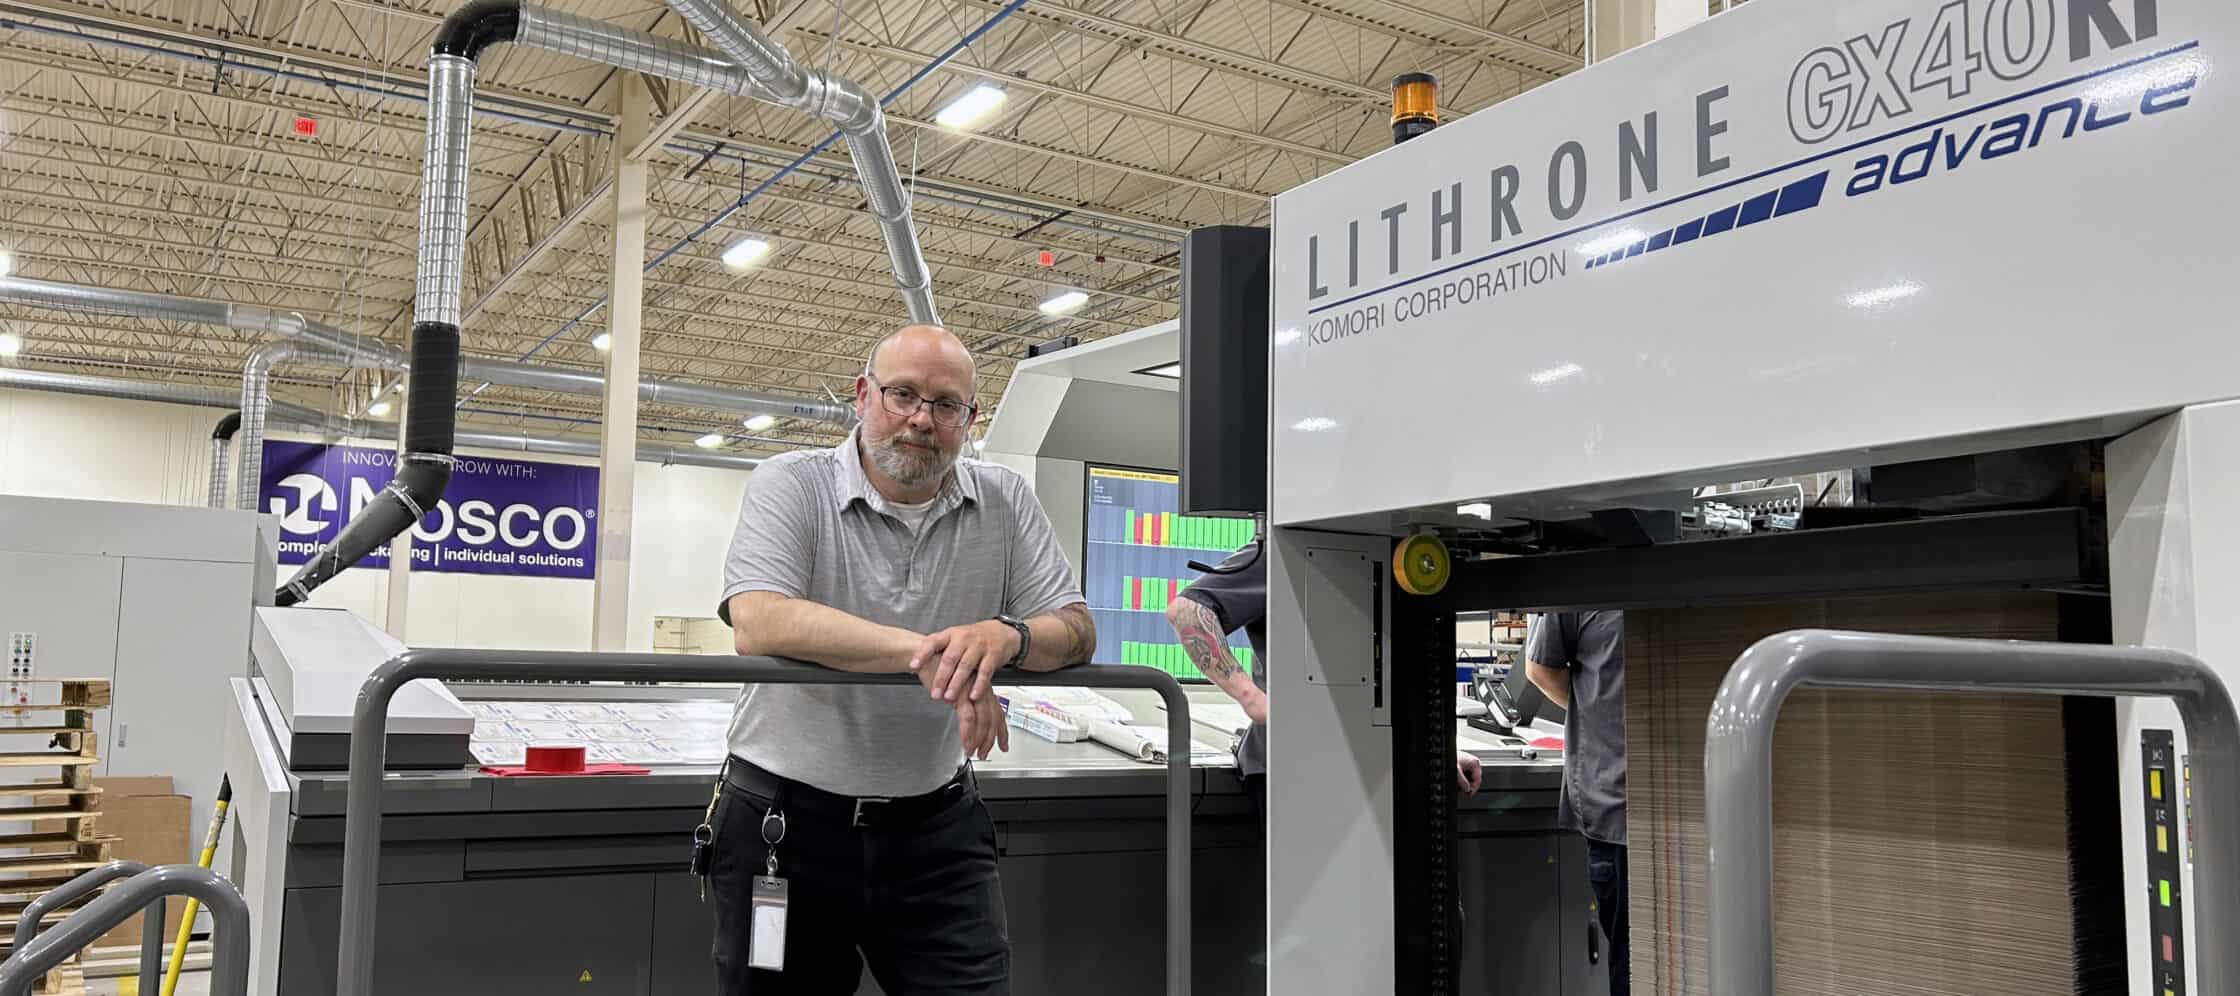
915	898
1606	871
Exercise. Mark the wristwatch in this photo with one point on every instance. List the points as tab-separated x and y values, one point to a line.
1026	640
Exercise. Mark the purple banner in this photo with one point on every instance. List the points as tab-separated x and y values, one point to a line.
496	516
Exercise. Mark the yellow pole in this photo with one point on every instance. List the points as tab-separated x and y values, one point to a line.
186	923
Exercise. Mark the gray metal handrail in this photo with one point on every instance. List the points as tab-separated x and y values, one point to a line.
1738	764
229	916
28	924
361	836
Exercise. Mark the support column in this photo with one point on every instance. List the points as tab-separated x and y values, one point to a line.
618	426
1614	26
2173	578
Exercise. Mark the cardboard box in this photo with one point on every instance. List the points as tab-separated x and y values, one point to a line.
152	823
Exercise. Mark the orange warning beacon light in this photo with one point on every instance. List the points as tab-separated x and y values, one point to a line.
1415	105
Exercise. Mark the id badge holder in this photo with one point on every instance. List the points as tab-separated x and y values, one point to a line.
767	950
766	947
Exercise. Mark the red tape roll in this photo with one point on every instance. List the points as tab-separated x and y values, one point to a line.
555	759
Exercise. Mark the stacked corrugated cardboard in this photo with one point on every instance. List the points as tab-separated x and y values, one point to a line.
1920	845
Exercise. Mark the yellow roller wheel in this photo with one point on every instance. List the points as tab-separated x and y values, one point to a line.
1421	565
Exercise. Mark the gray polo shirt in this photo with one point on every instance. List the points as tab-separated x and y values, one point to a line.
812	526
1592	647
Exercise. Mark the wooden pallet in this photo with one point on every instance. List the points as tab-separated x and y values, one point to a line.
77	694
68	979
64	839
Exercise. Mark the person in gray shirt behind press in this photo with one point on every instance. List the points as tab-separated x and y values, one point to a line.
884	554
1578	659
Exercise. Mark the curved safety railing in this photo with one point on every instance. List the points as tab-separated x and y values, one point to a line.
1738	764
229	916
361	848
32	920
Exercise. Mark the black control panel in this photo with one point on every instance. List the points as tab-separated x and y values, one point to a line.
2163	781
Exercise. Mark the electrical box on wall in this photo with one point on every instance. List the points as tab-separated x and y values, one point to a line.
22	655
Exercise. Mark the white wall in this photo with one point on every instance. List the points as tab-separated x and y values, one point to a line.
64	446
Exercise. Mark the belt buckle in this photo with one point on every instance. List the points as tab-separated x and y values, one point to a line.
857	820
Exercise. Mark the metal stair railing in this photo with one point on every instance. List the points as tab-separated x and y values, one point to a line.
29	922
1738	764
361	848
49	948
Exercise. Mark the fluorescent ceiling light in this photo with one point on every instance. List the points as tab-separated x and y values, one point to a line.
1883	295
602	342
709	441
968	110
761	422
1065	303
1169	370
1556	373
379	409
7	262
10	344
745	253
1481	510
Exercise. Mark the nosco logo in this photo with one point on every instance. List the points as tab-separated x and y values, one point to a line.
496	517
475	522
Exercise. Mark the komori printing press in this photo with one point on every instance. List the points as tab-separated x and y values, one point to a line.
1522	880
1789	239
535	885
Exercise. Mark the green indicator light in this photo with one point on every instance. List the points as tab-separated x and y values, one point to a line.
2166	893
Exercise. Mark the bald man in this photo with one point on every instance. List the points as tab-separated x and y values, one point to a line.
886	553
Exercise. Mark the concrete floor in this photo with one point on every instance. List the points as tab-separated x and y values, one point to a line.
190	984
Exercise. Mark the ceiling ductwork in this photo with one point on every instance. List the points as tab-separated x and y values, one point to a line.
362	351
304	419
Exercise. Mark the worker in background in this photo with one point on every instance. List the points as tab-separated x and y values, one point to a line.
1578	660
1233	595
884	554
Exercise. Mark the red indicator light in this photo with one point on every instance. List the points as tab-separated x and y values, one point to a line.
1046	258
306	127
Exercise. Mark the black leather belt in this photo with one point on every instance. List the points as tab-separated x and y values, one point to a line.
801	800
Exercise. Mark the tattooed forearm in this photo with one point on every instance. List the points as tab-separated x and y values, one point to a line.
1081	633
1201	639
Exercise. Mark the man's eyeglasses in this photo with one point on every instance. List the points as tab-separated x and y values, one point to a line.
905	402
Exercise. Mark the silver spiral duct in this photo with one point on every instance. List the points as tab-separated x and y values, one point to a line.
256	406
293	416
372	353
443	190
765	60
221	439
218	465
140	390
749	63
849	109
651	54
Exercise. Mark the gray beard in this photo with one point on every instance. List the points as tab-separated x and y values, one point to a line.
909	468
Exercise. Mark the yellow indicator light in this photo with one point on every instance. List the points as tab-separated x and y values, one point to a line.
2162	840
2154	783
